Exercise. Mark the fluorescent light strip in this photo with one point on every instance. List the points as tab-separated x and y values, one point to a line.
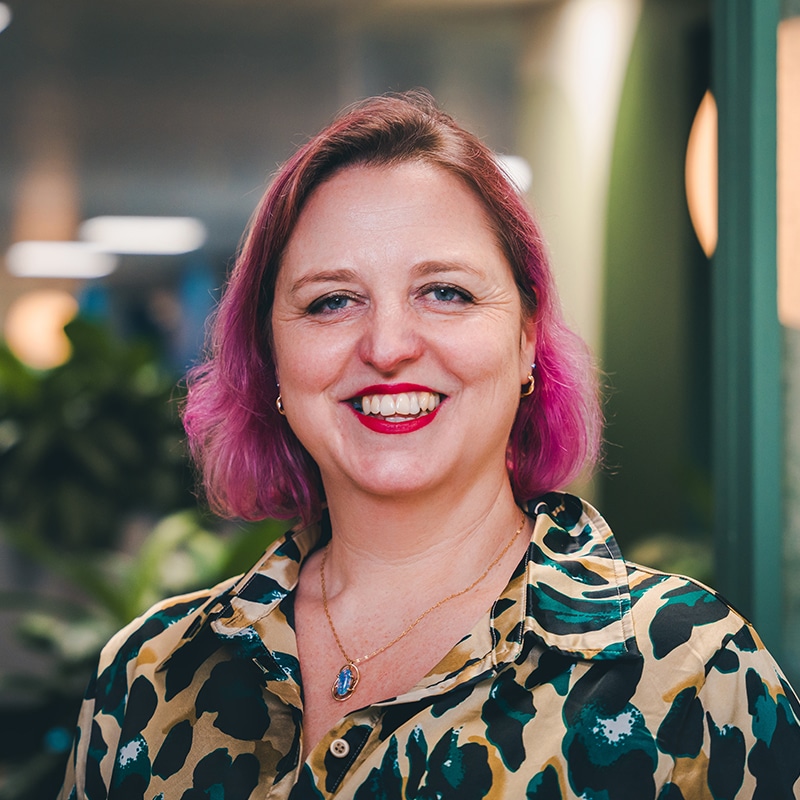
144	235
58	260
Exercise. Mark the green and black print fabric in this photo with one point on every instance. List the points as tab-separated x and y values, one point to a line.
589	678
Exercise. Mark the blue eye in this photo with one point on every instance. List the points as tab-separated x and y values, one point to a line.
335	302
332	302
445	293
449	294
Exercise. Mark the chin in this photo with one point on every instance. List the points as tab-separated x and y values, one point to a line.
388	478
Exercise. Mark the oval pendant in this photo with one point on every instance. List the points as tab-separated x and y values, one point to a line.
346	682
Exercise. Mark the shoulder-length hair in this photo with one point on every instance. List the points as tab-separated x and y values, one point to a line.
251	464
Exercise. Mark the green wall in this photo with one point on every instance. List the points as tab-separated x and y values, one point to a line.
656	343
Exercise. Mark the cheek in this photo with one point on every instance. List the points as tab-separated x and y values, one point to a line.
304	359
495	361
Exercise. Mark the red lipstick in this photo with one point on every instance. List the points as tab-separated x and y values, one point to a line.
394	388
381	425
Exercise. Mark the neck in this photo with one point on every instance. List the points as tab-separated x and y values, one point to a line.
379	543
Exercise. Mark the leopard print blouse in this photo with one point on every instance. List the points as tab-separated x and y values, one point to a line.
590	678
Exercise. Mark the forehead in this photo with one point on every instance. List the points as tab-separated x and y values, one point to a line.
415	204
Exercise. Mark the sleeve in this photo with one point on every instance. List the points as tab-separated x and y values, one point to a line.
90	763
745	721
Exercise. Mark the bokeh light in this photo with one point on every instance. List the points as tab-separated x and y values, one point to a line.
34	327
701	174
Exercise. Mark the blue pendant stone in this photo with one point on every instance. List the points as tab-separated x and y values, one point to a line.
345	683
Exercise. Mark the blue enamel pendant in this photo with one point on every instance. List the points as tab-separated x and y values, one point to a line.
346	682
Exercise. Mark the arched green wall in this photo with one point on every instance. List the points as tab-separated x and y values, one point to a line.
656	345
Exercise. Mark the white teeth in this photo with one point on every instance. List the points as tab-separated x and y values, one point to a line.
405	404
388	406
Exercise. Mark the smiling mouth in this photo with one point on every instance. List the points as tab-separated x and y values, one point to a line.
397	407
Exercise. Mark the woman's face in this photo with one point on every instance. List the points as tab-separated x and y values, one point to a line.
399	338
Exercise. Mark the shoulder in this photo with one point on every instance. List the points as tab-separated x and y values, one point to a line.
182	623
715	687
153	636
707	661
675	612
668	619
694	670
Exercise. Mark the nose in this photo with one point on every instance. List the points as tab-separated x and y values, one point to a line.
392	337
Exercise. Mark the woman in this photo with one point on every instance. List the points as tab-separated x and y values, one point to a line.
389	364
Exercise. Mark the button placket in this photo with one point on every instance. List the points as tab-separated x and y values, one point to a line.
343	751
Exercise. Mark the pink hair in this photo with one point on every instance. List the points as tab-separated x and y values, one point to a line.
252	465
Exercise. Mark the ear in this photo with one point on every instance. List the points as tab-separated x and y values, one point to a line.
527	347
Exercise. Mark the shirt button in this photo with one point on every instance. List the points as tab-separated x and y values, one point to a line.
339	748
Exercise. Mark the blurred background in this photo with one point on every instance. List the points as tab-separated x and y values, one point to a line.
136	139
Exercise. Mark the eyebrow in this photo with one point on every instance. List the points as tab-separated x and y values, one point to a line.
422	269
436	267
326	276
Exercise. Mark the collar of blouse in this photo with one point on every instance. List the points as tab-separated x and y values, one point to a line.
570	593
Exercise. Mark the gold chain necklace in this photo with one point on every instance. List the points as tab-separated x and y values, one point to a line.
348	676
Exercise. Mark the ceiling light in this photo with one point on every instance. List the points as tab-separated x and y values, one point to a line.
518	171
5	16
144	235
58	260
